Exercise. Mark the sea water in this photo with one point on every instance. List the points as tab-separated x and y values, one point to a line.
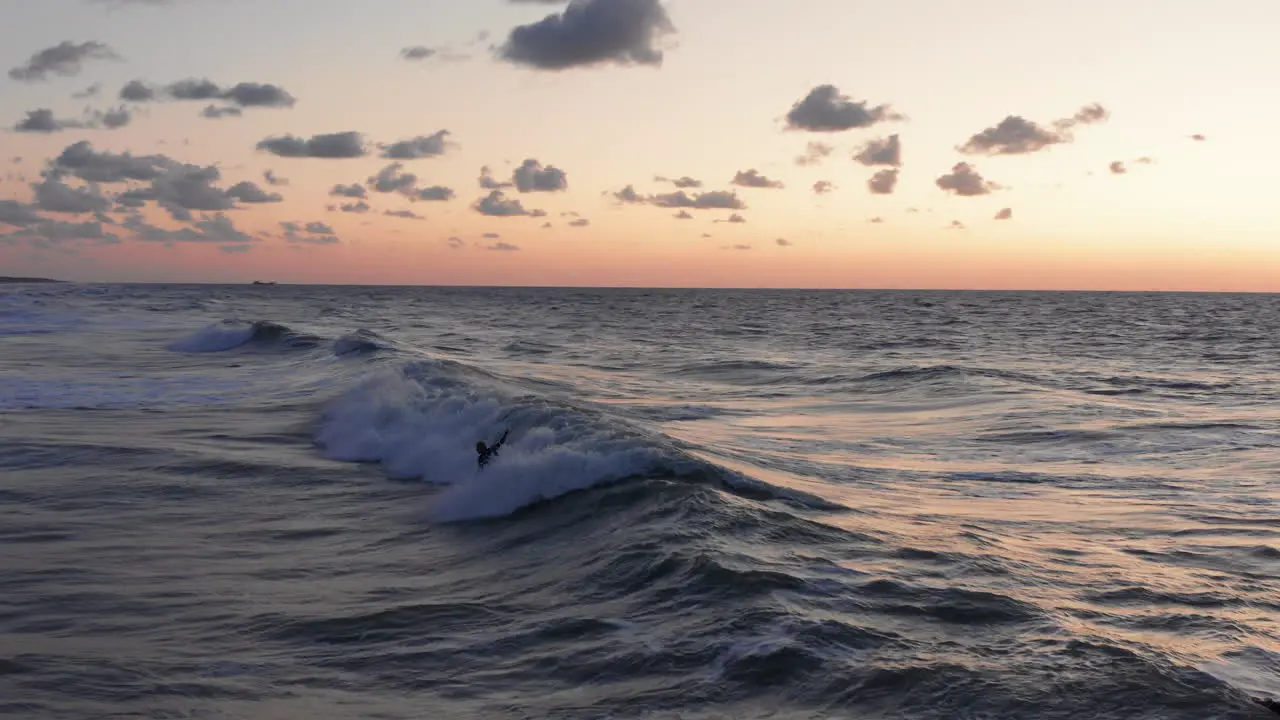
263	502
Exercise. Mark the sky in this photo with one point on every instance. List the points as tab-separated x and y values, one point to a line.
991	144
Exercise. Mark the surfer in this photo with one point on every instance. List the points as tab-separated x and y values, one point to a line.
487	453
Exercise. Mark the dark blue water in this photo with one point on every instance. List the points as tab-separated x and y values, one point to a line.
263	502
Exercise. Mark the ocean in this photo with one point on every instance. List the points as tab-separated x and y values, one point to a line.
263	502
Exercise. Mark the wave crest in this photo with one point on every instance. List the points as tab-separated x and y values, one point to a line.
423	420
360	342
231	334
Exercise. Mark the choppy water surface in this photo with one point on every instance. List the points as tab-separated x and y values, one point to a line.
263	502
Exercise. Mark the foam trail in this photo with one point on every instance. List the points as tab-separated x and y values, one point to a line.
424	420
231	334
218	337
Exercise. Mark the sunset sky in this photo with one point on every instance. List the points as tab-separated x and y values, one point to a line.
1083	145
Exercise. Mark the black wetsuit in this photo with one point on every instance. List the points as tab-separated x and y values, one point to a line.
488	453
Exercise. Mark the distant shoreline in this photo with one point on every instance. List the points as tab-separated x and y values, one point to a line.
4	280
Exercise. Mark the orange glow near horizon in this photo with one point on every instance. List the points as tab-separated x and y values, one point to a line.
889	260
1187	215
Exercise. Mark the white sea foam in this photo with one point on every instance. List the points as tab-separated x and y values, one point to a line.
423	421
218	337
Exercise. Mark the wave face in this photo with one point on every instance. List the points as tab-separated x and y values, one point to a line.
422	421
710	503
233	334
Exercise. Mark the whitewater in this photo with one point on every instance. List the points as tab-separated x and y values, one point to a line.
263	502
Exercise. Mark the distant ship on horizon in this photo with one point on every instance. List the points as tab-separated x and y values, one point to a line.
264	282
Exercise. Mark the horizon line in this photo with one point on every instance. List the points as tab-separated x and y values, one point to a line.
252	283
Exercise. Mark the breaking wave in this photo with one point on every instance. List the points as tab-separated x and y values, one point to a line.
422	421
232	334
